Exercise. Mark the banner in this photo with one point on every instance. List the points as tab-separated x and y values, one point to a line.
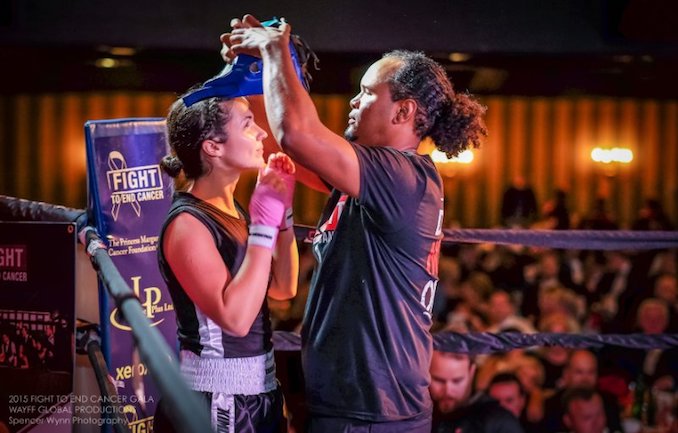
37	321
128	199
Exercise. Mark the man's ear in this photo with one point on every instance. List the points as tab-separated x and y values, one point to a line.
211	148
407	108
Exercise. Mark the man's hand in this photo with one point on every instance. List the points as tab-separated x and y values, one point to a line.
248	36
236	23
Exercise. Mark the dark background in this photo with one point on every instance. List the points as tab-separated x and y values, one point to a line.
528	47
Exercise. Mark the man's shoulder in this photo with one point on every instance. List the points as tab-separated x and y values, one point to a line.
392	152
482	414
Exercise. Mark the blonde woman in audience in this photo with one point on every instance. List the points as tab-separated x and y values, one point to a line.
530	372
554	358
560	300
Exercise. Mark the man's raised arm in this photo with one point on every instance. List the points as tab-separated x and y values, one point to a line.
290	111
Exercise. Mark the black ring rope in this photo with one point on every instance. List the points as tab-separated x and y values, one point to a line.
565	239
569	239
477	343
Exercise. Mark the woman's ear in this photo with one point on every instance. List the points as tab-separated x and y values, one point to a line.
211	148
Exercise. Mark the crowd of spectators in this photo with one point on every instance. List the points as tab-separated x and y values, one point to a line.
494	288
41	348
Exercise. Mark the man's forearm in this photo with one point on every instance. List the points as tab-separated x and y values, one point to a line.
296	126
289	108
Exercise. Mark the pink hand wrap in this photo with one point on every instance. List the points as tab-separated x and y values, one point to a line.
287	220
266	211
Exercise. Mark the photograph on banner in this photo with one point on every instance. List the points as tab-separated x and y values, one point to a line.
37	320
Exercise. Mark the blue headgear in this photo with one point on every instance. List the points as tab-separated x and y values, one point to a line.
243	76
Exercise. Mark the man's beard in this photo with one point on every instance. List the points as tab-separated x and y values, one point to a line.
448	405
349	133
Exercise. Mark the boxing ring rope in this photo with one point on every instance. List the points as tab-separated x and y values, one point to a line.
168	377
480	343
19	209
565	239
88	342
568	239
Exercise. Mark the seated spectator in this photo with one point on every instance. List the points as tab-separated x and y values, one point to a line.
599	218
518	204
472	306
22	358
559	300
584	412
8	353
530	372
666	289
612	283
509	392
664	262
501	314
549	272
554	358
456	409
581	371
652	318
651	216
555	215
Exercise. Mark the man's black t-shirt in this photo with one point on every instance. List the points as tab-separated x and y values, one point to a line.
366	345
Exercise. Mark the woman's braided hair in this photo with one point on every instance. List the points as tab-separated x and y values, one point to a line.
187	128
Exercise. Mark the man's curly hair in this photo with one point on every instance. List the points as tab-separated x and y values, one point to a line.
454	121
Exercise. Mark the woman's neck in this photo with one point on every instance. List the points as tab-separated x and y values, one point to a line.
217	191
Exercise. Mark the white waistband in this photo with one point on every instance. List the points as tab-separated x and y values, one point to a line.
236	376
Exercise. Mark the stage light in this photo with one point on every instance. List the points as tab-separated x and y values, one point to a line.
106	62
450	167
465	157
122	51
614	155
459	57
111	63
117	51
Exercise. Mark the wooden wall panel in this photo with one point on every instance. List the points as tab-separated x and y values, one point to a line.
73	159
48	132
540	158
5	139
493	153
631	176
563	133
23	122
669	149
650	153
548	140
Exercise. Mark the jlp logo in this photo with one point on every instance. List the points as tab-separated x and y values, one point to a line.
152	297
150	300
